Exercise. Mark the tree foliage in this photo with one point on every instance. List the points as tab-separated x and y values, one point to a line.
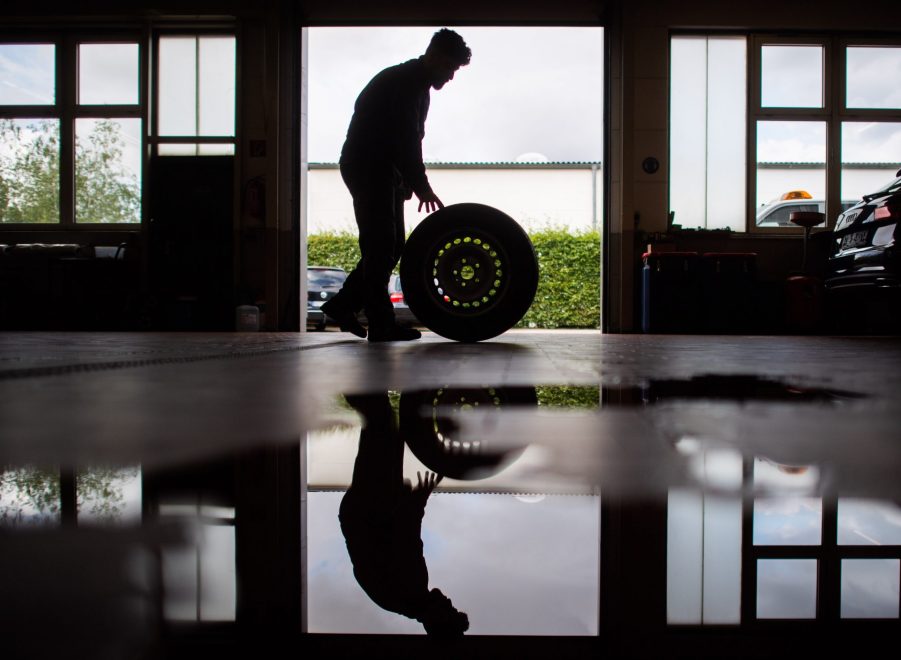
31	495
105	190
29	171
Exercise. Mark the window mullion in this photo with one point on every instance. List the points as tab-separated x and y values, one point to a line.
753	112
835	74
146	96
66	86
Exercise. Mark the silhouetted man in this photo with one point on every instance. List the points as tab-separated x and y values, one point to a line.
381	519
381	164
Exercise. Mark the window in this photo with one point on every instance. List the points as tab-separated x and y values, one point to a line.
199	578
71	118
707	131
791	102
759	542
817	127
29	134
196	95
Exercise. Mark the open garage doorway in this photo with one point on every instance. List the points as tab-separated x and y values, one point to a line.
520	129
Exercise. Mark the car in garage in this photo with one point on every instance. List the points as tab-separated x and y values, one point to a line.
863	272
323	282
864	249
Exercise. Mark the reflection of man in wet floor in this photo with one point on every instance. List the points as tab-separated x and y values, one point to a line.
381	163
381	518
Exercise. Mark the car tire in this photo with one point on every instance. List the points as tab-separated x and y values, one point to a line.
430	435
469	272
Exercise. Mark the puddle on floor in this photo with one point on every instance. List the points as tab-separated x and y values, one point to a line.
501	544
522	559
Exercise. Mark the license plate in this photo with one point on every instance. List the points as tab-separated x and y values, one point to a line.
317	303
854	240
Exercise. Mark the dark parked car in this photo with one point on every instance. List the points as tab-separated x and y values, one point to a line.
864	266
323	282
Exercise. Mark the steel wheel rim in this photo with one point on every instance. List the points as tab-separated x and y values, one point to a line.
469	272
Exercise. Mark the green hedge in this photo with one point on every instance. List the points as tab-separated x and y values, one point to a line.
568	396
333	249
569	266
568	286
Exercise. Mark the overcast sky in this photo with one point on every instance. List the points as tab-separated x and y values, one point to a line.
514	567
527	90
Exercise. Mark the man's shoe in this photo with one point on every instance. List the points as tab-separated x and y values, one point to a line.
346	320
394	334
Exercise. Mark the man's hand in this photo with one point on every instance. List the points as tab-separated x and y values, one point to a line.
430	201
426	485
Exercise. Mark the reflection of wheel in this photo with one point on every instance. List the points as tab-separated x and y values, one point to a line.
434	440
469	272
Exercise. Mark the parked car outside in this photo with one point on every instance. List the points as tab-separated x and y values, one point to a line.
776	213
402	313
864	253
323	282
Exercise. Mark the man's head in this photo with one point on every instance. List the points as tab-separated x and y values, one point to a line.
446	53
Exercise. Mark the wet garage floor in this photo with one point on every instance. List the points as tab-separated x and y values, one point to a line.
563	494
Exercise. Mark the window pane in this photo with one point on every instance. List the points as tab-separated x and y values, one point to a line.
178	86
216	102
29	496
180	149
707	137
217	573
791	158
870	588
703	575
27	74
179	569
788	521
874	77
868	522
108	170
109	496
29	170
215	150
107	74
791	77
871	154
786	588
169	149
197	86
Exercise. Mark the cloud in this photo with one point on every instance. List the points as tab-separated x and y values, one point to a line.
513	98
